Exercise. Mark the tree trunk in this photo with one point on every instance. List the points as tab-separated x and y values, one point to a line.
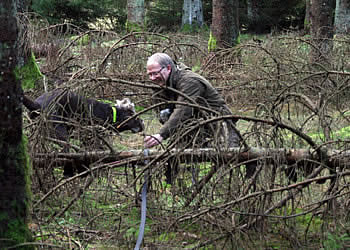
321	30
136	12
225	22
307	22
14	174
253	15
342	17
192	13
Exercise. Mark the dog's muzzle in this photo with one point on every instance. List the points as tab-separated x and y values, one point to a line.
139	128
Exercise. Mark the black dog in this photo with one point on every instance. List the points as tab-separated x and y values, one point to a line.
63	105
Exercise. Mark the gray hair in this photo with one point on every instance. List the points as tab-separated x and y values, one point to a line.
163	59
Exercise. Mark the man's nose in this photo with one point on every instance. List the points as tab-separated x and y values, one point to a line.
153	77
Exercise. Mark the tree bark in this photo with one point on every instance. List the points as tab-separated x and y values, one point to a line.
225	22
14	176
342	17
321	30
136	12
192	13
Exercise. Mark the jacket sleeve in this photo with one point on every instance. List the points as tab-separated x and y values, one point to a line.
193	89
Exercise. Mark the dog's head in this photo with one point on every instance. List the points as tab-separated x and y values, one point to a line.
125	110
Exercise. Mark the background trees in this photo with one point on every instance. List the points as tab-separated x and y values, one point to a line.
342	17
225	26
81	12
322	30
254	12
254	16
192	13
136	12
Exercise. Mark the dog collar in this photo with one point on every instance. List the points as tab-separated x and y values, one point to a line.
114	114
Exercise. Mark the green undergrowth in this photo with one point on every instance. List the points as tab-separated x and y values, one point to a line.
29	74
340	134
81	40
304	222
317	136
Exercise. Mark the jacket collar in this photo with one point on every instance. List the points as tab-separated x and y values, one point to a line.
175	73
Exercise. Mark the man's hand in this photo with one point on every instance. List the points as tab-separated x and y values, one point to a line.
152	140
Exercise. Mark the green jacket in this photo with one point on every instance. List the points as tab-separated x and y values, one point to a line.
198	89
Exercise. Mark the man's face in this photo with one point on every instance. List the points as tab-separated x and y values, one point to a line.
157	74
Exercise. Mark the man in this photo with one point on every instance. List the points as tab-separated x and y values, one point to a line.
182	85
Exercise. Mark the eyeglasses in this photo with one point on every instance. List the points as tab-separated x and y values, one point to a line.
155	73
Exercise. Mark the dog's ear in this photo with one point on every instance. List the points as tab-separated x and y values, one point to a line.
126	104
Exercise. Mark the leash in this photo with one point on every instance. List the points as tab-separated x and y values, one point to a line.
143	204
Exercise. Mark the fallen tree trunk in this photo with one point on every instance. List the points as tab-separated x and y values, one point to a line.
233	155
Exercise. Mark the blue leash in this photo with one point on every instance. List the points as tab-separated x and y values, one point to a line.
143	205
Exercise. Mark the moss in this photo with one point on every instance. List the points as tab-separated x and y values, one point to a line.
132	27
307	25
17	231
211	43
191	28
29	74
238	39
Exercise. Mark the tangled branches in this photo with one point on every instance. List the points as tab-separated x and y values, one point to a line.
306	107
